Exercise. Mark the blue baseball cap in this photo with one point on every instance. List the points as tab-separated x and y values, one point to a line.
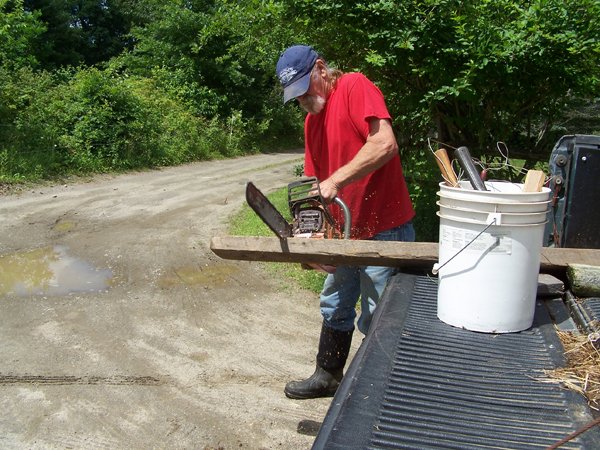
293	69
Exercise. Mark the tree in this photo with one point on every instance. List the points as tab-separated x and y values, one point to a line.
18	31
80	31
474	72
206	53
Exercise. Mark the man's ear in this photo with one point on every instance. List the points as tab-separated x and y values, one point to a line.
321	67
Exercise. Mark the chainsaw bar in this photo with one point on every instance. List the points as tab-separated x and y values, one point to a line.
267	212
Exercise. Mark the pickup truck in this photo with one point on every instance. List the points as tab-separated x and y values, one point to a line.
419	383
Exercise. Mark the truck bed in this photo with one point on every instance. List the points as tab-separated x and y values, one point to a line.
419	383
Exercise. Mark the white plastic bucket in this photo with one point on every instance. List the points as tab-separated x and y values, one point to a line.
498	192
447	199
489	259
502	218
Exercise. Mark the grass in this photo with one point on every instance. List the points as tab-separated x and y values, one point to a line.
247	223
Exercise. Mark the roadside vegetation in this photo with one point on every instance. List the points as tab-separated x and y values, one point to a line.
99	86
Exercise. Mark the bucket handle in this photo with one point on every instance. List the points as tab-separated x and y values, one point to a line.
436	267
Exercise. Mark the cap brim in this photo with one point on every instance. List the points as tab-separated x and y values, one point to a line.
297	88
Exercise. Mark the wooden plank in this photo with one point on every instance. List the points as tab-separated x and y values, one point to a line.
326	251
534	180
410	255
555	260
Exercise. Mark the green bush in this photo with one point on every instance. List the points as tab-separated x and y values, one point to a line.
422	177
19	90
94	120
19	31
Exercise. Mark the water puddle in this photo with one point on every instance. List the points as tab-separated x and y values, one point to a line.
49	271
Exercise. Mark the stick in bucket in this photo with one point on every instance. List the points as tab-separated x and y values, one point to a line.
443	162
534	180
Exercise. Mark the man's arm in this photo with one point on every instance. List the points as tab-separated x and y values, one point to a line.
380	147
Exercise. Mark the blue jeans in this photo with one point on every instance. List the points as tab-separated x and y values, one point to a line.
343	288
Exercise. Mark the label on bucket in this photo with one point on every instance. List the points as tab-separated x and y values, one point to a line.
458	238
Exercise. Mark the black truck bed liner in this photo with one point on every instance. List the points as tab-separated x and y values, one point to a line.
419	383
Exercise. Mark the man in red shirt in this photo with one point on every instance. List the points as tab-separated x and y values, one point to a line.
351	148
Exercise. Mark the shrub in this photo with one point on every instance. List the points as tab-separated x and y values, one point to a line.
94	120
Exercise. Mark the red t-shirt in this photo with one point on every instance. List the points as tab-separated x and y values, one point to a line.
380	200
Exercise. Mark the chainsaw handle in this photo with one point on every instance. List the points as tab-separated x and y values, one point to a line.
347	216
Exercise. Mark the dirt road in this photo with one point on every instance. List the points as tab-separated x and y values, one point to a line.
179	349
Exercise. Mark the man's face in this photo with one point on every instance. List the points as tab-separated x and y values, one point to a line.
313	104
313	101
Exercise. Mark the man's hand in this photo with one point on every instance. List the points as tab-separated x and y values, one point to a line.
329	189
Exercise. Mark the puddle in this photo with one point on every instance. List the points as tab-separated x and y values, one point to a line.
63	226
215	275
49	271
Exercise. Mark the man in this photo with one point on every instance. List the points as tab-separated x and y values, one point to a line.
351	148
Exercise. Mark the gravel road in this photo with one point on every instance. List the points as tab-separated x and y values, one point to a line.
165	345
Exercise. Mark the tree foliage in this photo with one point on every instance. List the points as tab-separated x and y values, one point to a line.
94	85
464	72
19	30
474	72
80	32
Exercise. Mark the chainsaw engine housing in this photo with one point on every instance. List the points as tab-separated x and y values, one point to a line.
309	212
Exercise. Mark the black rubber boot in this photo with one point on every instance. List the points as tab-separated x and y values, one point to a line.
334	347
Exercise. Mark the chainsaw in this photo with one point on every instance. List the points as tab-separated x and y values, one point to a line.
309	212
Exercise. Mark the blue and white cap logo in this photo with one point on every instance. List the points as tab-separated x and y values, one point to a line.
286	75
